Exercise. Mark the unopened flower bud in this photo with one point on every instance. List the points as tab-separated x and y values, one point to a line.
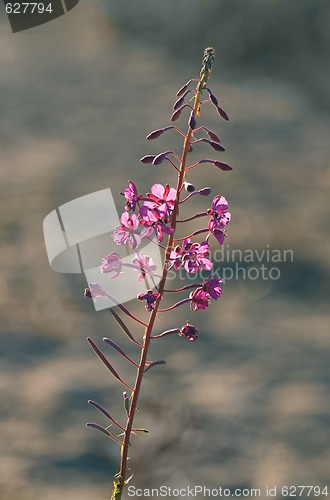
189	332
216	146
183	88
147	159
192	121
189	187
223	113
223	166
213	136
176	115
155	134
179	102
205	191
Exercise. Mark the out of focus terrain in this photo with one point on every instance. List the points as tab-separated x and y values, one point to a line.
248	404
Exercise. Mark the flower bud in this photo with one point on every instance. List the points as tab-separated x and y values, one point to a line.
205	191
223	166
176	115
189	187
192	121
189	332
213	136
155	134
183	88
179	102
223	113
216	146
147	159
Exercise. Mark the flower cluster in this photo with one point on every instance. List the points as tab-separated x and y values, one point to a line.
157	216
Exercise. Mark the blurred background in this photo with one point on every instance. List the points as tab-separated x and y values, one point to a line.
247	405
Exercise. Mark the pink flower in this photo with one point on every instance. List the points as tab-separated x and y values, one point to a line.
150	299
127	232
111	264
213	288
220	218
154	219
163	194
131	196
95	291
192	255
199	299
146	265
189	332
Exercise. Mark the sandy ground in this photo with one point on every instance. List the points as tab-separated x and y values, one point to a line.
247	405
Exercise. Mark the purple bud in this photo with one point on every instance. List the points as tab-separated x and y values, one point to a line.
190	149
223	166
155	134
190	188
213	136
216	146
189	332
147	159
179	102
205	191
176	115
213	98
160	158
222	113
183	88
192	121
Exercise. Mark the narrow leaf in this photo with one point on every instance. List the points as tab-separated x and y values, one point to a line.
104	411
154	363
106	362
102	429
124	327
119	349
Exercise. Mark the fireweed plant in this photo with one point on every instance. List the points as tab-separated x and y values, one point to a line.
157	213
